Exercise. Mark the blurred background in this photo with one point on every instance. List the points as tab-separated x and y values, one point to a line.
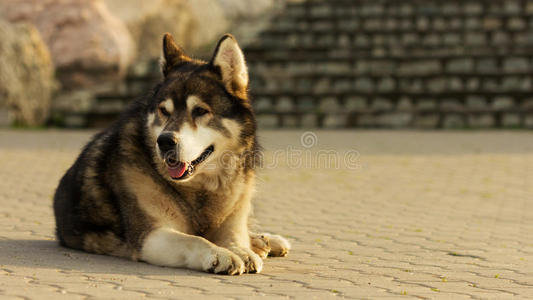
313	64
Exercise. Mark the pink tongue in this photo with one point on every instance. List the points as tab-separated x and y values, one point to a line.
178	170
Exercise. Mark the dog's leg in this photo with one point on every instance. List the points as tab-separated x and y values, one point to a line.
233	234
236	238
266	244
168	247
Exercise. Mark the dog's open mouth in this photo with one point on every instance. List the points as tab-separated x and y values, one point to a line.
180	170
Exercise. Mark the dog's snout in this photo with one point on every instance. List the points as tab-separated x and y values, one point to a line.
166	142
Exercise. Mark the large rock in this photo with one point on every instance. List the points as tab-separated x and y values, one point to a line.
26	75
89	45
194	24
235	9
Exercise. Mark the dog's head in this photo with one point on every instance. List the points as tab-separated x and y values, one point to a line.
200	115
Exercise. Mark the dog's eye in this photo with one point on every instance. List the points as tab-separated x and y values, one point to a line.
198	112
164	111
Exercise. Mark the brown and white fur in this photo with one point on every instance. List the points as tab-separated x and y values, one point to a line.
170	183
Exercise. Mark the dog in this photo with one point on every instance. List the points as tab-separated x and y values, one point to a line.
170	182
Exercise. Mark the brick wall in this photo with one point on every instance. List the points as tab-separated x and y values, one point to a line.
389	63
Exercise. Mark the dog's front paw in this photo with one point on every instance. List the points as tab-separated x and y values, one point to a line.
260	245
252	262
222	261
279	246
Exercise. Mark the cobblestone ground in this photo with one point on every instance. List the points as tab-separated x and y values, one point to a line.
410	215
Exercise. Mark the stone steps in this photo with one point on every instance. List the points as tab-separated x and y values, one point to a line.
392	63
386	63
312	54
397	119
408	8
365	40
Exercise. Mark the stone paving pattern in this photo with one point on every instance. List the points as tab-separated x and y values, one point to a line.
444	215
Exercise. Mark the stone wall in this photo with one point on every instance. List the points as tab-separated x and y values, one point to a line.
387	63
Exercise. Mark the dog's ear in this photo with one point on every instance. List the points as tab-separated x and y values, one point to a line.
172	54
228	59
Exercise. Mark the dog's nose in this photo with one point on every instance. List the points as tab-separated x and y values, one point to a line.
166	142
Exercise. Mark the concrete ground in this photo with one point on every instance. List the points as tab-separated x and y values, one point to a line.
370	214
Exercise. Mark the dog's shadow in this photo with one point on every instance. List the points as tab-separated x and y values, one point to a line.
49	254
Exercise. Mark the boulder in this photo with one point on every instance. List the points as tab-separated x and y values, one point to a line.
194	24
235	9
89	46
26	75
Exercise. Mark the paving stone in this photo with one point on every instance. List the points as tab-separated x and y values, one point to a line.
309	121
451	39
473	8
436	85
516	64
460	65
476	102
500	38
394	119
285	104
322	85
329	104
382	104
335	121
472	23
432	39
267	120
453	121
305	104
263	104
527	104
426	121
427	104
366	120
355	103
528	121
502	102
487	65
529	7
481	120
492	23
511	83
451	104
386	84
512	7
342	85
456	84
290	121
404	103
511	120
473	84
364	84
516	23
475	38
423	222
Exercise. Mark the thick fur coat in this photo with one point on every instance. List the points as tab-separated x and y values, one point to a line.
171	181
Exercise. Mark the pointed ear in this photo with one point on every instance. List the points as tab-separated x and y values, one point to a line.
172	54
229	60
